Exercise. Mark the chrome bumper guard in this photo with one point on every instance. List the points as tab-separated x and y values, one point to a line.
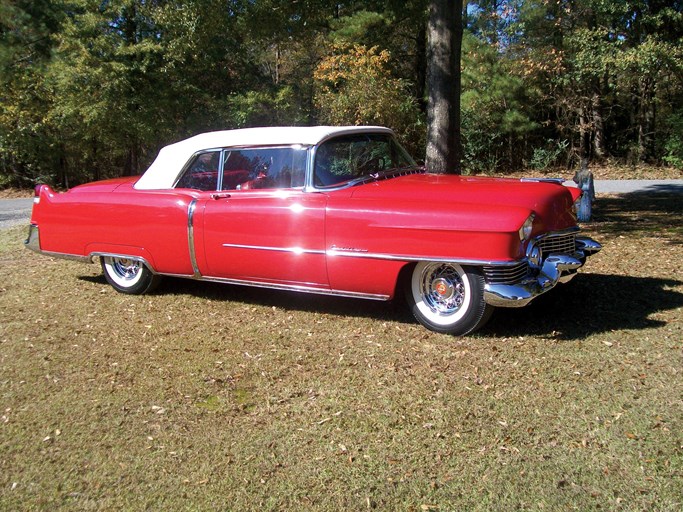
556	268
33	240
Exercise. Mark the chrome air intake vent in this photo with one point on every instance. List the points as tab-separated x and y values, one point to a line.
559	243
506	274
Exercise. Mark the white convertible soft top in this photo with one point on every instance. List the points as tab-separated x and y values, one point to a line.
165	169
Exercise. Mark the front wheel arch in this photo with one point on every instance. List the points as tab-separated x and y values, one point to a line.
446	297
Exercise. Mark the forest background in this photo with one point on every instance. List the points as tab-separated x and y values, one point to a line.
91	89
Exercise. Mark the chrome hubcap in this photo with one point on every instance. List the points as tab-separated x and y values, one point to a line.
126	268
442	289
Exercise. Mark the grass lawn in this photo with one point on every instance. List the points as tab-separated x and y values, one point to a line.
214	397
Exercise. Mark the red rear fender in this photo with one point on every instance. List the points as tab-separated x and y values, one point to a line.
42	196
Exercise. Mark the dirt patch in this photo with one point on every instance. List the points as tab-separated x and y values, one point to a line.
15	193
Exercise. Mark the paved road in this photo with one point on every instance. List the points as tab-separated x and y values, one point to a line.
629	186
15	211
18	211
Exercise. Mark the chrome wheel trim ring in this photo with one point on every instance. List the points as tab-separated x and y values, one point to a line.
441	291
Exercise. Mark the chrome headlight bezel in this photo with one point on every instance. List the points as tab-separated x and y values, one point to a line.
527	228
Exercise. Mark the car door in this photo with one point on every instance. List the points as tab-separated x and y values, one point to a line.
261	225
265	235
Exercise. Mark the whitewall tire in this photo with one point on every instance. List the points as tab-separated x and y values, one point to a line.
447	298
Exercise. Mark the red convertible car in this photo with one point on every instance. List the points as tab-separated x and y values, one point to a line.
331	210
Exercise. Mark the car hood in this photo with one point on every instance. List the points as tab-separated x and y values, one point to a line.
550	202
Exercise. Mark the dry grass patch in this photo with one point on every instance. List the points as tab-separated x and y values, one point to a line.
205	396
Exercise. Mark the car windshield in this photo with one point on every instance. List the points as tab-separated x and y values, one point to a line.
356	157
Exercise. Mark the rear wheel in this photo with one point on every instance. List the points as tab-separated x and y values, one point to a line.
129	275
447	298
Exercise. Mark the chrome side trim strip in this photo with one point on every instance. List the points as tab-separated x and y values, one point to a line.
359	253
407	257
190	237
295	250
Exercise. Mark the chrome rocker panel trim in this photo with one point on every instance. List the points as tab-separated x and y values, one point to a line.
292	288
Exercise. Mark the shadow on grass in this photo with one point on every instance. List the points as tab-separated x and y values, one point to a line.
641	212
589	304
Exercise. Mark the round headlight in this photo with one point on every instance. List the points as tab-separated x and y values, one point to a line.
527	227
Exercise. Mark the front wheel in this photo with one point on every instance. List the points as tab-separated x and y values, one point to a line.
448	298
128	275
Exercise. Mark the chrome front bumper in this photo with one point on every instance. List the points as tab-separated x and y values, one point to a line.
556	268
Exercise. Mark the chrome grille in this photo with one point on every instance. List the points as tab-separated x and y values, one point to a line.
506	274
558	243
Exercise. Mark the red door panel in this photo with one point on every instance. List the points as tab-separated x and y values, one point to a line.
264	235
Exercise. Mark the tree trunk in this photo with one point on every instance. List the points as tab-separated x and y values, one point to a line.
131	167
584	133
598	128
443	111
646	120
63	176
94	163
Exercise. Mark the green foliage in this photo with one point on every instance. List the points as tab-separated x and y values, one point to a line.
266	108
608	70
547	156
357	27
354	85
495	112
673	146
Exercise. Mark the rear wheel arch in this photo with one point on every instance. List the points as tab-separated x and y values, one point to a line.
129	274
